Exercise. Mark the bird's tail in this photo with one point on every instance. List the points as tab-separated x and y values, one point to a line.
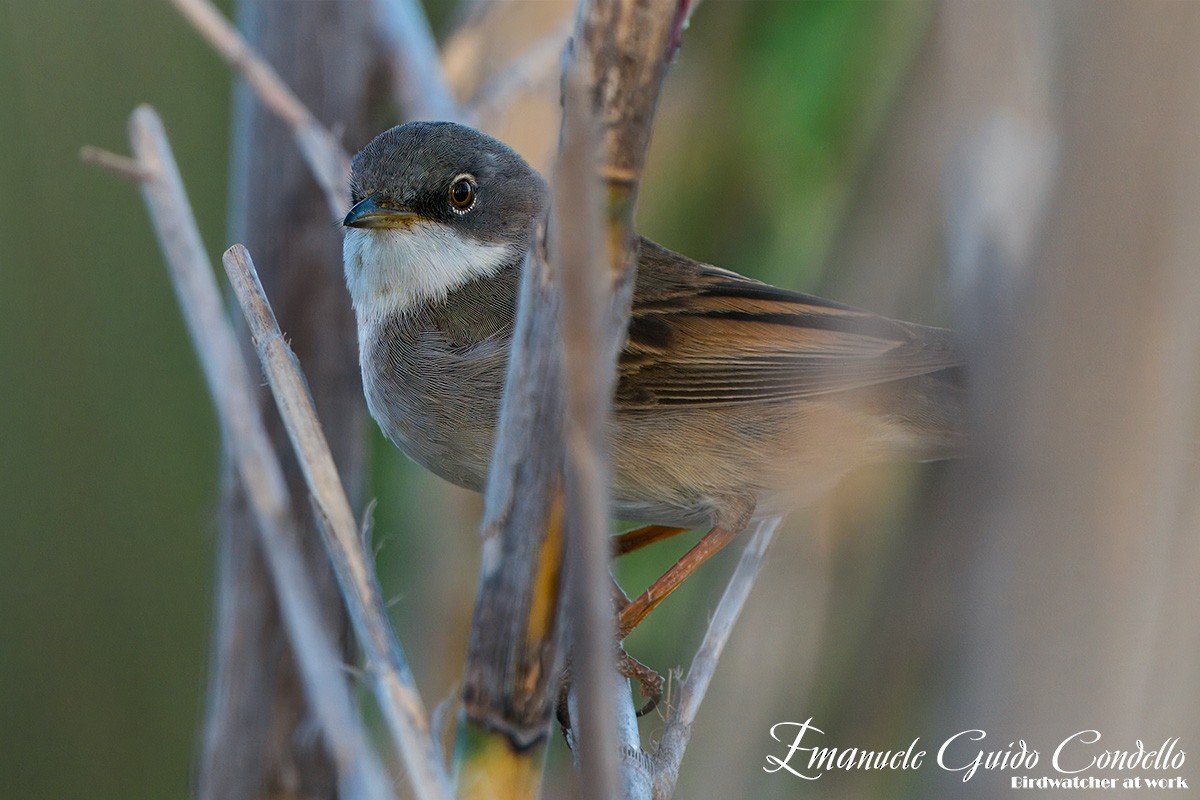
934	413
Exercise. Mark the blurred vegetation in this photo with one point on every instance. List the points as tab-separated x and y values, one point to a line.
108	448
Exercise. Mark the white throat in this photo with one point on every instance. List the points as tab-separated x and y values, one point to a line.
392	271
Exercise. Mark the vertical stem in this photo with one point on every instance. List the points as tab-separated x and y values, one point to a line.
256	716
232	388
513	659
589	352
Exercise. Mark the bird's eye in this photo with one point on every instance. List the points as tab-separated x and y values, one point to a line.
462	194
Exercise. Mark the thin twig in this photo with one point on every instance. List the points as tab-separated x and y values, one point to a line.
683	19
242	426
419	85
678	729
121	166
463	47
392	679
538	66
321	150
689	8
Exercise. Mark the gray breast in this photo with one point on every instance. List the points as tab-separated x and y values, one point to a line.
434	376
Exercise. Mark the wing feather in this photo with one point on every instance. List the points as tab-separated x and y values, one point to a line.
704	335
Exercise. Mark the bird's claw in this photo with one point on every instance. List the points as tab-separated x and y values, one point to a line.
651	682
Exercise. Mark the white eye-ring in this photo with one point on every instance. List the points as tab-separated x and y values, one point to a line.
462	194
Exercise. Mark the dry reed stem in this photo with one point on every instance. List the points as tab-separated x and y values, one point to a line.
391	678
321	150
242	426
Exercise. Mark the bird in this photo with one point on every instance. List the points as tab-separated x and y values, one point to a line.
735	400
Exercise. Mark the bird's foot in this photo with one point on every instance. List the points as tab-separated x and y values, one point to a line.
651	682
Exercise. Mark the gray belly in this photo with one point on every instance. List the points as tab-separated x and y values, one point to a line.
438	404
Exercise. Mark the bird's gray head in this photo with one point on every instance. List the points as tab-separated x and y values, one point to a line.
436	205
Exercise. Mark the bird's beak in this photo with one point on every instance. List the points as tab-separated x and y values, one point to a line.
367	213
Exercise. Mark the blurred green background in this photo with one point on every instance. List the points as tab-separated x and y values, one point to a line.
108	446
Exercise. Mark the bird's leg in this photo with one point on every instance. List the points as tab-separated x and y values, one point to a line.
629	667
631	613
712	543
638	538
650	681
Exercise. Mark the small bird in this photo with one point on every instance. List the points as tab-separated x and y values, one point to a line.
735	400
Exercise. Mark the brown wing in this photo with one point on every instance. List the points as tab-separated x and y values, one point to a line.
703	335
